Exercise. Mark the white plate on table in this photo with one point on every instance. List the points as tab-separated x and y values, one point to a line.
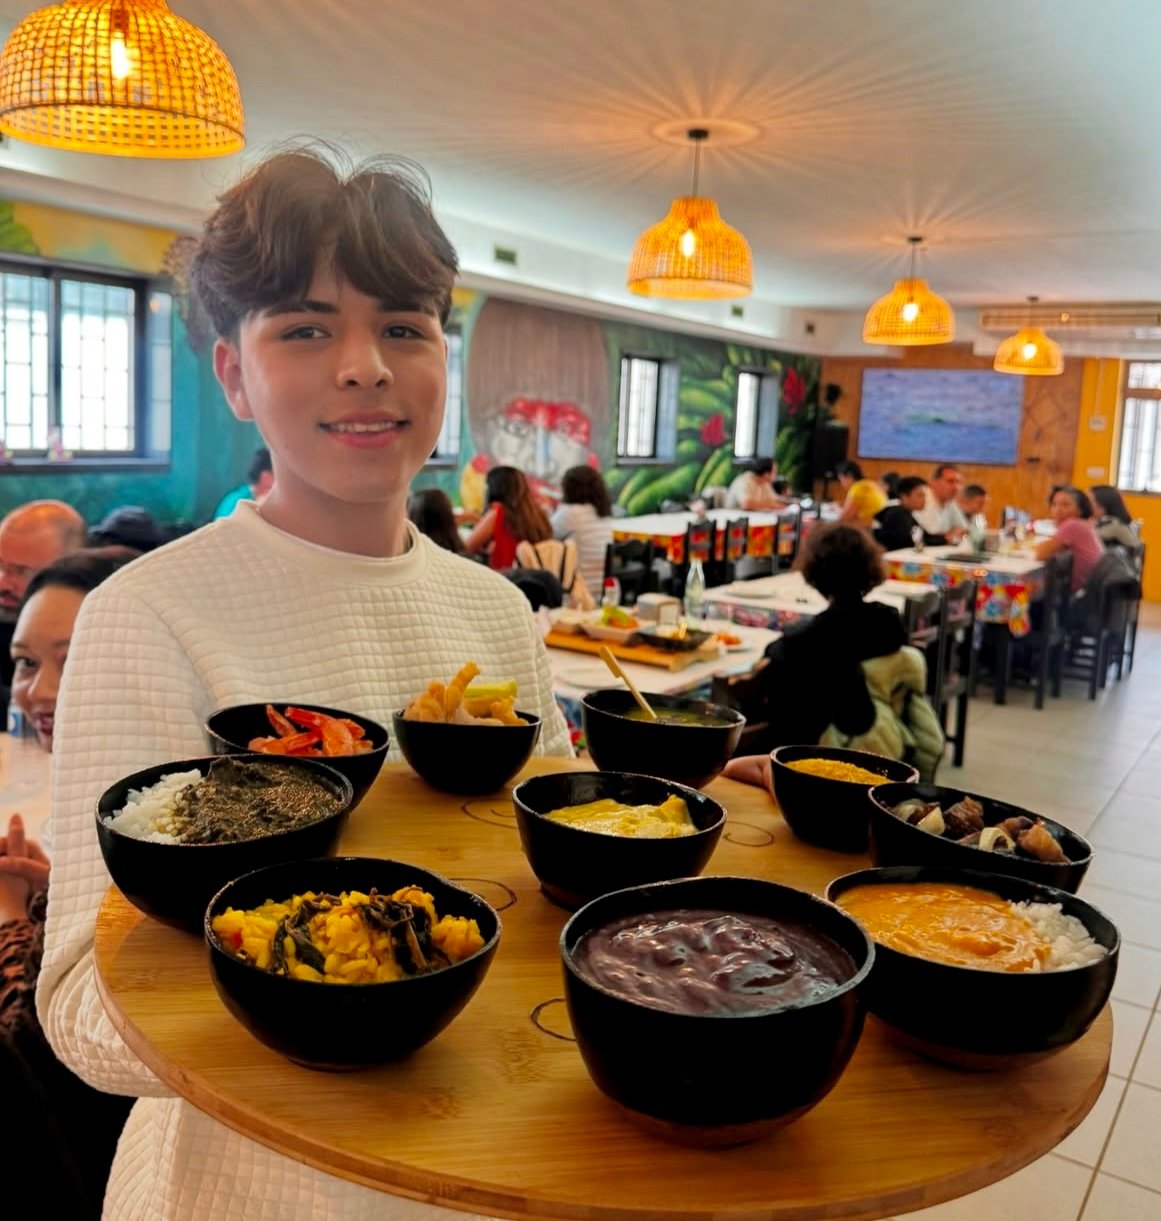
604	631
588	676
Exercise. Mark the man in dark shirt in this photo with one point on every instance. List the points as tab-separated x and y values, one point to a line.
894	525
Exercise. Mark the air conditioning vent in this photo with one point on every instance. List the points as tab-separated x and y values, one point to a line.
1097	322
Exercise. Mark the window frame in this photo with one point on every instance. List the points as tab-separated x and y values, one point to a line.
143	456
765	411
665	408
448	460
1142	394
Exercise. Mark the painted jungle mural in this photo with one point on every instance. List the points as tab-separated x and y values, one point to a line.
542	385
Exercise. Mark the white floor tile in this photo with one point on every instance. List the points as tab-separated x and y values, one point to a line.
1051	1189
1138	919
1086	1143
1148	1068
1133	1147
1123	871
1138	975
1129	1025
1114	1200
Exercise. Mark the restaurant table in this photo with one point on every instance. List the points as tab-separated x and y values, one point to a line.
1008	585
667	530
574	674
498	1115
779	601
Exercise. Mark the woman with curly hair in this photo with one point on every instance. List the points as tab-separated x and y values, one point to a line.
586	516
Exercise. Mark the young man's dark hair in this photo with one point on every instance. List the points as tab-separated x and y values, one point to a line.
761	466
895	524
974	491
908	484
841	562
853	469
372	222
259	465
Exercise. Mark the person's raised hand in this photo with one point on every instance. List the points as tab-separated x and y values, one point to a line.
24	869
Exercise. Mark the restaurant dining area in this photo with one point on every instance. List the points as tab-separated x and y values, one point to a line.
579	623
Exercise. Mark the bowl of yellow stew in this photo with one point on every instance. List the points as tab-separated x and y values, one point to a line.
347	962
586	833
823	792
980	970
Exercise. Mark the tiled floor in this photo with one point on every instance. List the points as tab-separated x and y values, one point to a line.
1097	766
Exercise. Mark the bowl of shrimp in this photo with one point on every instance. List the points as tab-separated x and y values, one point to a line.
465	736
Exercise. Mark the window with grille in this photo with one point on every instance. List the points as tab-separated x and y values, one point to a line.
647	413
1139	465
447	448
86	360
755	414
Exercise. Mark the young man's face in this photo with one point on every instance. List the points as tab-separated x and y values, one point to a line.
973	505
947	486
347	393
915	499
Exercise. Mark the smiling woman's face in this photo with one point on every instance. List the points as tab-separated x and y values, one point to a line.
40	645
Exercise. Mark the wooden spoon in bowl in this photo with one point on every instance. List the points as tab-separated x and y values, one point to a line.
614	665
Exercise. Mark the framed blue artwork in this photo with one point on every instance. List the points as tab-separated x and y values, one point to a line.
941	415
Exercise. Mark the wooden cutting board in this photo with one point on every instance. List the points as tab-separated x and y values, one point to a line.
575	642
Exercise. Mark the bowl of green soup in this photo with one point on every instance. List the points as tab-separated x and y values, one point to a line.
689	743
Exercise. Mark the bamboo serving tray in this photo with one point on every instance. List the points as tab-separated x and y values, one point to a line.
667	659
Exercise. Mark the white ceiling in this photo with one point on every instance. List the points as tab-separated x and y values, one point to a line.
1020	136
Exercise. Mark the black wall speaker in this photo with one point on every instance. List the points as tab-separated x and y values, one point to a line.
828	448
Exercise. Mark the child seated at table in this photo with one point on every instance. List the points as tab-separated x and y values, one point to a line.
826	682
328	290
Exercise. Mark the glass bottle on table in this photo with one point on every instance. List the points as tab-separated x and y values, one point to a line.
611	592
694	590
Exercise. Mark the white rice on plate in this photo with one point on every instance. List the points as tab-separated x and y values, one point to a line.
1072	944
149	813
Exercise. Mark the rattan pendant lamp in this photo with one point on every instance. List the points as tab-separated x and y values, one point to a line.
910	315
692	254
1029	353
124	77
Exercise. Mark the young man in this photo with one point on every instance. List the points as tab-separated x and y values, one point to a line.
328	294
894	525
259	481
941	518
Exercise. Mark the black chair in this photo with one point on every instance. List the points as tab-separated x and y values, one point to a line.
921	620
746	693
1100	642
1049	637
951	677
729	547
539	587
632	563
700	543
1129	645
788	537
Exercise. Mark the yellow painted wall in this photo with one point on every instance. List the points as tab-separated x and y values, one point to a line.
1096	457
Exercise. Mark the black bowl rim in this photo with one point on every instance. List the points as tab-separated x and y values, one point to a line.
843	751
684	791
731	716
281	980
533	719
881	804
745	1015
347	793
977	877
240	748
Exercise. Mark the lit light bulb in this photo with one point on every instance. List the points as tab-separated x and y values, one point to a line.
1029	350
688	243
910	312
119	62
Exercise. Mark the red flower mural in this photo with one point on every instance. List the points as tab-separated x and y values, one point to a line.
713	431
793	390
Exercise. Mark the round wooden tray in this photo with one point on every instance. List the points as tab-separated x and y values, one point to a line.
498	1116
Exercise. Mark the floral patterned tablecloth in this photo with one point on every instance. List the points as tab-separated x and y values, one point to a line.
1007	587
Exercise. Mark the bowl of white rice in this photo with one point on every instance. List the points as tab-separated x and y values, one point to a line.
980	970
174	834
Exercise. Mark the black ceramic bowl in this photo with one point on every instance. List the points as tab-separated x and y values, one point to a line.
895	842
712	1079
688	754
473	760
574	865
974	1018
230	731
174	882
336	1026
829	813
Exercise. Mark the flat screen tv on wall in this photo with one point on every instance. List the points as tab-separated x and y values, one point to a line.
941	415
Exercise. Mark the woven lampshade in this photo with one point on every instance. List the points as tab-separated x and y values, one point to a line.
1029	353
125	77
910	315
692	254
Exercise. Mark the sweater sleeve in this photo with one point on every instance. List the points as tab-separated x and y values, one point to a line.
554	735
130	699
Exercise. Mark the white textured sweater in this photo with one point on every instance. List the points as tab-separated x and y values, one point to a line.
239	612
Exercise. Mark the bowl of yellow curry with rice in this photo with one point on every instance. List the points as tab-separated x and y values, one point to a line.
587	833
347	962
466	736
824	792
